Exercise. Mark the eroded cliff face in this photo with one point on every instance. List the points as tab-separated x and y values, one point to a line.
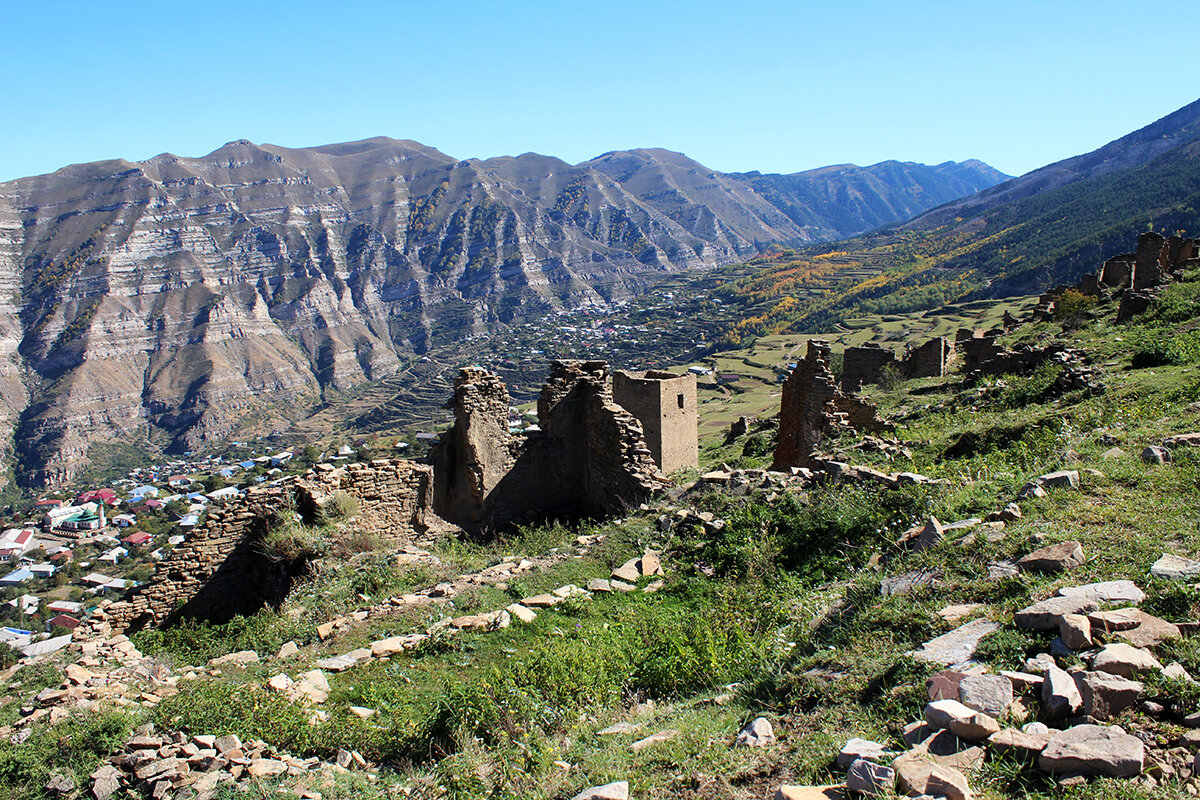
173	298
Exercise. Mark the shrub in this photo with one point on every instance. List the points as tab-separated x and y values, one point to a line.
74	745
339	507
1071	307
9	655
289	540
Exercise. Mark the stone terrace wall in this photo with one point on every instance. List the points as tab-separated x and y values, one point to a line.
217	572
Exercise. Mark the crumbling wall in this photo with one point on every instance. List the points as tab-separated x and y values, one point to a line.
666	405
218	572
864	365
590	457
812	408
930	360
476	453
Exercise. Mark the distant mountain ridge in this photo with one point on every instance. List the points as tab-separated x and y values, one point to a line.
176	298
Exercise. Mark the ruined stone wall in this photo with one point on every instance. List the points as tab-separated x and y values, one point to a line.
1147	267
978	351
476	453
930	360
590	457
666	405
218	572
806	409
864	365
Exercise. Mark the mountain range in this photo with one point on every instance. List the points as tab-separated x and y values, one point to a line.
177	300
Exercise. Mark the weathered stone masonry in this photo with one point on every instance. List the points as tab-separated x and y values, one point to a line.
590	457
813	408
667	407
218	572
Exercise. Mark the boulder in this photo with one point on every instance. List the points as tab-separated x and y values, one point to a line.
944	685
1053	558
870	778
1075	631
991	694
1060	695
1175	568
963	722
1122	591
1106	695
1153	454
1125	660
918	774
1044	615
1063	479
757	733
1093	750
650	563
1119	619
860	749
609	791
1019	743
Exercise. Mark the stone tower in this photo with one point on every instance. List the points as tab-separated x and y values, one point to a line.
665	404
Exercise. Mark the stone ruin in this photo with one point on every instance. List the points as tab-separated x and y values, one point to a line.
865	364
667	406
219	572
590	458
1131	277
813	408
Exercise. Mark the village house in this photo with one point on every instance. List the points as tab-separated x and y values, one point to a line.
64	607
137	539
179	481
15	542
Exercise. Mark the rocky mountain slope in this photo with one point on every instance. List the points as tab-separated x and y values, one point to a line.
176	298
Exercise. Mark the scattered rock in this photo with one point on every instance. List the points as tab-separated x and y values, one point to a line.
1020	743
757	733
1150	629
787	792
1063	479
609	791
1060	695
964	722
1113	452
627	572
1044	616
653	739
918	774
1105	694
1120	619
1122	591
991	694
521	613
287	650
1176	568
241	657
870	778
620	728
1153	454
956	612
1125	660
908	581
958	645
1053	558
860	749
1093	750
1075	631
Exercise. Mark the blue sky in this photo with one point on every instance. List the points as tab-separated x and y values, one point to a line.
773	86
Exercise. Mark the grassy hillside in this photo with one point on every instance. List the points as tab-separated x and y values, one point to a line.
781	604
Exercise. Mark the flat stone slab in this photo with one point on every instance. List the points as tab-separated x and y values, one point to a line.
1094	750
1053	558
860	749
954	613
1175	568
957	646
1125	660
653	739
1044	616
1119	619
1106	592
991	694
907	582
337	663
1150	629
790	792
